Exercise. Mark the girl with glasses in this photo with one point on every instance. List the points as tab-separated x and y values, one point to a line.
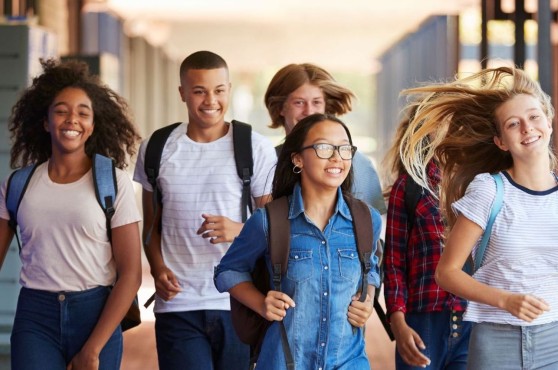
317	303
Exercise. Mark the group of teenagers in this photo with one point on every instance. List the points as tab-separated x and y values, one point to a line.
78	278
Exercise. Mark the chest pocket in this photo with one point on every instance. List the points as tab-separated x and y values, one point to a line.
300	265
349	264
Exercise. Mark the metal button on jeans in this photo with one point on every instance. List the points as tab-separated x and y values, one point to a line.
61	297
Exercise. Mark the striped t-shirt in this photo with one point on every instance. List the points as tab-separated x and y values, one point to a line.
195	179
522	254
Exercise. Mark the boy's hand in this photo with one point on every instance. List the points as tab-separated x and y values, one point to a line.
166	283
219	229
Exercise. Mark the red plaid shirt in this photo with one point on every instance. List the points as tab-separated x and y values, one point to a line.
409	283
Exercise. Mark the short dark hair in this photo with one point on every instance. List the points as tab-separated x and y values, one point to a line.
202	60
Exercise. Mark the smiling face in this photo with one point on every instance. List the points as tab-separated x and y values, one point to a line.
318	173
524	127
206	94
70	120
304	101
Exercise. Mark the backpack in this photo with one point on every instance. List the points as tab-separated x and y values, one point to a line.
250	326
242	143
104	179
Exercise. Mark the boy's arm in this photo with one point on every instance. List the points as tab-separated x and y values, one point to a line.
222	229
166	283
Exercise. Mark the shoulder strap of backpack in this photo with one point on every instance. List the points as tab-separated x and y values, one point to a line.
151	165
413	192
362	221
279	236
17	185
106	188
362	224
242	141
279	246
495	209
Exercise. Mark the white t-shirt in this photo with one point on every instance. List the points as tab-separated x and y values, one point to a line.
522	254
65	246
195	179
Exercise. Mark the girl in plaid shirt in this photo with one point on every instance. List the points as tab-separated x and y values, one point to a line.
425	319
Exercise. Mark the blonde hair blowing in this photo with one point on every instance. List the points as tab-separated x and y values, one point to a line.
392	164
455	123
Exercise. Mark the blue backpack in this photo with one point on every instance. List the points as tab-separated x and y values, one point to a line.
104	179
105	190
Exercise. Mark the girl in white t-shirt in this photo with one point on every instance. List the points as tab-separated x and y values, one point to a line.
76	285
496	121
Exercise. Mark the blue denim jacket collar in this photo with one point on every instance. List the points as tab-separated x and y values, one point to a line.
297	204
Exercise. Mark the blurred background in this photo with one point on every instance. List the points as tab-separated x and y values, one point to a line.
376	48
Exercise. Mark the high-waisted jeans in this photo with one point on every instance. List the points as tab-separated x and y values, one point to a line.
50	328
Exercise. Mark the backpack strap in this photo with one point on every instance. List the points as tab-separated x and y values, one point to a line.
17	185
242	142
279	246
495	209
413	193
106	188
151	165
362	221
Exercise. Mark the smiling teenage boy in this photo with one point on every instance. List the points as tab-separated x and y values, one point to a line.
200	214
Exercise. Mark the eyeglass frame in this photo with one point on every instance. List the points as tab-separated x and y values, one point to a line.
335	148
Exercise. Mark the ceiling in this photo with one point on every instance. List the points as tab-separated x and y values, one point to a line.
253	34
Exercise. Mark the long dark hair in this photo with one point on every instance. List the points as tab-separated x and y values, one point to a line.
285	179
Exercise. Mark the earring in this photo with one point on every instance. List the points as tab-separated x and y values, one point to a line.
297	169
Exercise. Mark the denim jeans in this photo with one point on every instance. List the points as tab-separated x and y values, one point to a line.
50	329
446	337
510	347
203	340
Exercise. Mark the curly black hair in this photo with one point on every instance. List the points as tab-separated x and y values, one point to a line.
113	136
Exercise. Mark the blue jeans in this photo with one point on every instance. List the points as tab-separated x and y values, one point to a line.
509	347
446	337
50	329
203	340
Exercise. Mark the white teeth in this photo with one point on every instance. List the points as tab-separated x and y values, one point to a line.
70	133
530	140
333	170
210	111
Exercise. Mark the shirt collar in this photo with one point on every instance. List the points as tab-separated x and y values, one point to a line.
297	205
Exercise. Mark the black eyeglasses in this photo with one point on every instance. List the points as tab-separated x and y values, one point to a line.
326	151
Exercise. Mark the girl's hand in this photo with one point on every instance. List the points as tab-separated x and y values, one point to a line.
359	312
84	361
276	305
524	306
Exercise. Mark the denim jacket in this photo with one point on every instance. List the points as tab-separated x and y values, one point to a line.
322	276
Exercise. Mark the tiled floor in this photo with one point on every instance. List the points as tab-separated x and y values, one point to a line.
140	353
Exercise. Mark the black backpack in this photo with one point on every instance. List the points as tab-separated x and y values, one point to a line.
242	142
250	326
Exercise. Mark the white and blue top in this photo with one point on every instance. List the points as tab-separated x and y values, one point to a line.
522	254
